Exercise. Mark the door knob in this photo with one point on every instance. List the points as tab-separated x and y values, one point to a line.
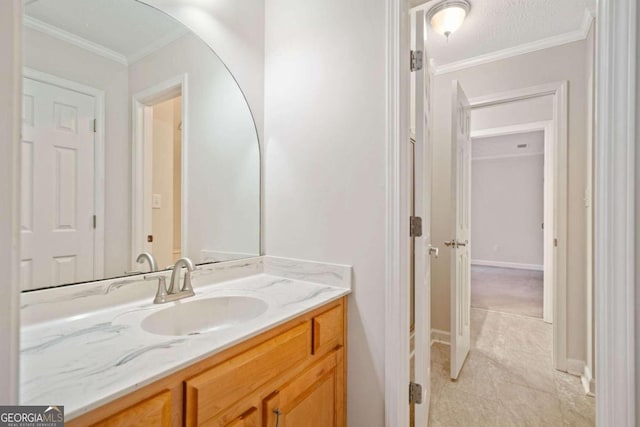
434	251
450	243
458	244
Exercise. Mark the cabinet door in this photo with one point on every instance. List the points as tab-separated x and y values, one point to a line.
314	399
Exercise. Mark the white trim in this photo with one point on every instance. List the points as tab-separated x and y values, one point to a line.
10	150
397	298
549	42
442	337
505	264
506	156
558	159
98	155
516	95
614	216
510	130
588	382
140	178
575	367
73	39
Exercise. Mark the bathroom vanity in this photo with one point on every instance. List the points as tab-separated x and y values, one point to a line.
295	372
262	342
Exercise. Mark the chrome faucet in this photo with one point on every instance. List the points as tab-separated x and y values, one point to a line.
174	292
146	256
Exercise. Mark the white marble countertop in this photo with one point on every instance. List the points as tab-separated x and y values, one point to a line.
87	360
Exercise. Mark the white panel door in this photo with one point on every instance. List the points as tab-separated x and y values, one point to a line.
57	239
460	244
422	208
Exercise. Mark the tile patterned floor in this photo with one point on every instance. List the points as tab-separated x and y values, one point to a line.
507	380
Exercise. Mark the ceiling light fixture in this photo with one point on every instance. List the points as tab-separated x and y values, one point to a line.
447	16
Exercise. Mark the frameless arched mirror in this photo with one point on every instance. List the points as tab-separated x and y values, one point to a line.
136	138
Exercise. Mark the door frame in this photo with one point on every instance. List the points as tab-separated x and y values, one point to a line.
616	211
549	199
559	92
141	145
397	239
98	156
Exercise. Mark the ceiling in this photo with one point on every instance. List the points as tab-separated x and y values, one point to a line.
495	25
126	27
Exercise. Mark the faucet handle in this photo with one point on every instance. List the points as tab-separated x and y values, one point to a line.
161	293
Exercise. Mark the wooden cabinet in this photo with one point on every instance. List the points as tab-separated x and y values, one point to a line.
292	375
218	388
309	400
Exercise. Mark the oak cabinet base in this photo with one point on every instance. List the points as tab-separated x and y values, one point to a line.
292	375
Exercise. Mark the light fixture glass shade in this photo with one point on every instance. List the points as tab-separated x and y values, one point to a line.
447	16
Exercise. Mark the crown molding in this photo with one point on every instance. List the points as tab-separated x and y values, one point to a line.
546	43
157	45
73	39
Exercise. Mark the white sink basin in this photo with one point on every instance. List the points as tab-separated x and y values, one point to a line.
205	315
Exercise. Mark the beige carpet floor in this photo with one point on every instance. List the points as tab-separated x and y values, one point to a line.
507	380
507	290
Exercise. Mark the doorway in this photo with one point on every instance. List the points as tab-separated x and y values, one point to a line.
159	143
512	207
166	180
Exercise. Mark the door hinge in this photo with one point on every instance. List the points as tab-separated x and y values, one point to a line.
415	226
416	60
95	221
555	243
95	125
415	393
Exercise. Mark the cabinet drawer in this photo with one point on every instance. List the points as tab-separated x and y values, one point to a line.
328	330
154	411
248	419
209	393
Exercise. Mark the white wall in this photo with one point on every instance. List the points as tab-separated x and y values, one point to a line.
566	62
325	163
52	56
513	113
222	167
10	127
507	200
235	31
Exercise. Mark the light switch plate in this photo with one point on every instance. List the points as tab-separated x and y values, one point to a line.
156	201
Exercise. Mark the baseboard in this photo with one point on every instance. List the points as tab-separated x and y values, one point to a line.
442	337
575	367
504	264
588	382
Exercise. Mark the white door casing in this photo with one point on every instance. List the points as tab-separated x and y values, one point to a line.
422	207
460	243
57	189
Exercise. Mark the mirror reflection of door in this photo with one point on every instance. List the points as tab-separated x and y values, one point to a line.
58	228
166	187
